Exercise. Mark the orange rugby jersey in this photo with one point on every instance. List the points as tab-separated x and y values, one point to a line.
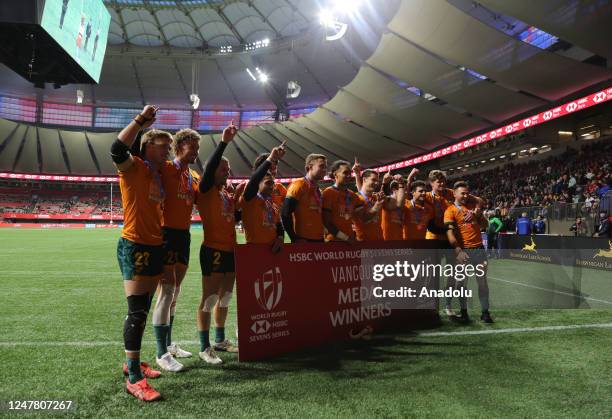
416	221
181	187
142	195
372	229
260	216
468	234
278	194
342	204
393	223
307	217
216	209
438	204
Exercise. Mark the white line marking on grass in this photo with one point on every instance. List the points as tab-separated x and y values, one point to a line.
570	294
94	344
518	330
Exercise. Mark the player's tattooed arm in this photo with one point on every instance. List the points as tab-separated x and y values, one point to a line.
462	257
478	203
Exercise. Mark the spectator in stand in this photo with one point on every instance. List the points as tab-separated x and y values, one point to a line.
523	225
602	190
589	201
525	185
493	229
539	225
603	229
571	184
579	228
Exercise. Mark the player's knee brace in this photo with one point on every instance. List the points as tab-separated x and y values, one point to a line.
225	300
136	320
209	303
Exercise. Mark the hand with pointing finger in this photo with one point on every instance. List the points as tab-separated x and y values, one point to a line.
387	177
356	169
229	133
277	153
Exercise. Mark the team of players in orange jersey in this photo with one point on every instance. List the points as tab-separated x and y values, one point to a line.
158	197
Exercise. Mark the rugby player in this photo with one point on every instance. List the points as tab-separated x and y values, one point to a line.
393	220
302	210
439	199
140	251
465	238
418	216
216	207
181	186
340	204
278	193
369	225
260	214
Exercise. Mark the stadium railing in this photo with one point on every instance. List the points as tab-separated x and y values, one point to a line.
559	214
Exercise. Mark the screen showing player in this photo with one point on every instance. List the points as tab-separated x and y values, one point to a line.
81	28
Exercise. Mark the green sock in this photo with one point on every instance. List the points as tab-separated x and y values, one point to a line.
135	374
169	336
204	340
219	334
161	331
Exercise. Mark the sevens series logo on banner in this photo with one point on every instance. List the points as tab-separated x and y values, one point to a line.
268	292
269	289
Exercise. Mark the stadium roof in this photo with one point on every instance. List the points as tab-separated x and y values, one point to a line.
162	51
443	70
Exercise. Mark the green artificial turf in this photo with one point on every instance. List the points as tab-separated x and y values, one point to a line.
62	309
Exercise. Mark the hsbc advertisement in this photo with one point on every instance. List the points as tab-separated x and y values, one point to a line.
548	115
310	294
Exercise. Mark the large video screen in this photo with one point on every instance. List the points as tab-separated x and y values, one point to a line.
81	28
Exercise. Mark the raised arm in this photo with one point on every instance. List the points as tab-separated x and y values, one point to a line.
120	149
211	165
356	169
252	186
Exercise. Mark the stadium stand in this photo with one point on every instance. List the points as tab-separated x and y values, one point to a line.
51	151
77	151
100	143
569	178
27	156
12	135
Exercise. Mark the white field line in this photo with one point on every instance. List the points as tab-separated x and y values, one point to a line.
518	330
550	290
94	344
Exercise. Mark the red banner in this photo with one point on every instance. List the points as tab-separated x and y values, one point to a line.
55	225
89	217
310	294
